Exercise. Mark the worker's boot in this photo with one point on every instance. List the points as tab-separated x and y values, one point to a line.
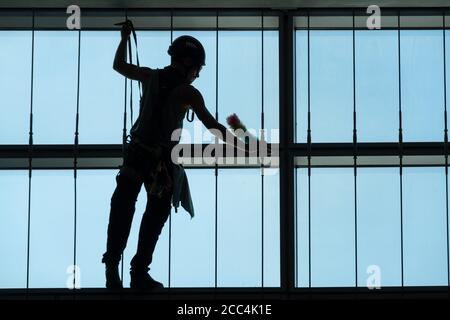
112	277
143	281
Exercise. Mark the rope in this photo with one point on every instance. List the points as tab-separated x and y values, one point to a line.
400	146
446	146
30	153
75	163
262	139
124	143
216	169
309	154
355	153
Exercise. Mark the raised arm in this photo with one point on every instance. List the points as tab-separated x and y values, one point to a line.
128	70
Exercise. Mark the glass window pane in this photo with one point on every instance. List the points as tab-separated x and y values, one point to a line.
331	86
101	89
377	100
447	66
239	228
193	240
240	77
15	60
422	85
55	86
94	191
271	86
379	240
301	81
332	228
424	220
52	228
13	228
302	232
271	227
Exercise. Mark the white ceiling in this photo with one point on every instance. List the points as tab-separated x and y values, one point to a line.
221	3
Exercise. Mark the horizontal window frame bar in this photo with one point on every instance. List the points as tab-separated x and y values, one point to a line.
297	149
322	155
235	293
369	149
182	13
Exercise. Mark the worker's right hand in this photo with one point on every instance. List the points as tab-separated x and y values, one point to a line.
125	31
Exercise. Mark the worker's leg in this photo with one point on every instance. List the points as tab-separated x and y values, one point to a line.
153	220
121	215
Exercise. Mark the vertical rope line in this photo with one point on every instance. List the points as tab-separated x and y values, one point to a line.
355	152
30	152
124	133
262	139
75	163
295	176
309	153
446	144
124	141
400	140
216	169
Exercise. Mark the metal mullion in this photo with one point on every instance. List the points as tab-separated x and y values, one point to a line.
287	216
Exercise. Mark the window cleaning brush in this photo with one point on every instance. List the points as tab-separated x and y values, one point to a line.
239	129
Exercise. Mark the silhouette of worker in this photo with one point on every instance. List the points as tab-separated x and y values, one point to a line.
167	98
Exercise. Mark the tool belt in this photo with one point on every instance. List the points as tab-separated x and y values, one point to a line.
148	164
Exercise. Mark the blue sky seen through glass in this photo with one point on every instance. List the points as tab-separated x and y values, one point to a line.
377	85
379	226
239	246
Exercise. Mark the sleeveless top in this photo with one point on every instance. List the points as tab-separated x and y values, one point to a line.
158	118
158	115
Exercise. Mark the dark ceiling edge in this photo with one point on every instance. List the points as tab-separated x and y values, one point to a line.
229	10
221	4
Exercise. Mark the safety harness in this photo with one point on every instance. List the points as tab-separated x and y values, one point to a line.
160	176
